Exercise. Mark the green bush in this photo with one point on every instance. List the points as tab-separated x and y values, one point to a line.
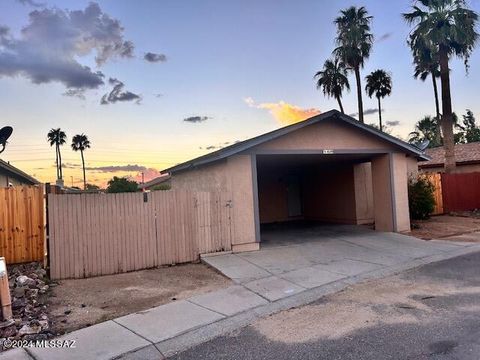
161	187
421	200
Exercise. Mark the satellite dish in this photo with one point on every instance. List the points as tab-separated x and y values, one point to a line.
5	133
423	145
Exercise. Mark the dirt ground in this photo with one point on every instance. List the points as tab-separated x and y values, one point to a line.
82	302
445	226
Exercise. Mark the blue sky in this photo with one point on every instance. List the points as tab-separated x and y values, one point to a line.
218	54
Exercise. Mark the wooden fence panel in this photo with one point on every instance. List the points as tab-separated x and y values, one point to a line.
461	192
22	224
100	234
435	179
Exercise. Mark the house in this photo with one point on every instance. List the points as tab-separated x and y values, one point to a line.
12	176
163	180
329	168
467	157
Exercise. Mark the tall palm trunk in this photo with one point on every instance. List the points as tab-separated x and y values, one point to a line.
380	113
340	104
60	171
447	118
56	161
84	176
359	93
438	133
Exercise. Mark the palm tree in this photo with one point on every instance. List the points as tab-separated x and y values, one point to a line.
446	28
58	138
354	42
81	142
332	79
379	83
425	129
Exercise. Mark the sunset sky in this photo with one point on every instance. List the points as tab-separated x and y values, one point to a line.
155	83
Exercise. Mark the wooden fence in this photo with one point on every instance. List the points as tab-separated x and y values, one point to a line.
435	179
100	234
461	191
22	224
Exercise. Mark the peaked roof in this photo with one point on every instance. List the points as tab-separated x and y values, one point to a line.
15	172
329	115
464	154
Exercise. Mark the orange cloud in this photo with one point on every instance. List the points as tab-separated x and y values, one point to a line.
283	112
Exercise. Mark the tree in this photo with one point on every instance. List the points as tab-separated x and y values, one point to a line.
81	143
92	187
121	184
354	42
379	83
58	138
332	79
470	131
425	129
426	64
447	28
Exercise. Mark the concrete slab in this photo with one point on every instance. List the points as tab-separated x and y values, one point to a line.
15	354
229	301
236	268
147	353
278	260
102	341
312	277
274	288
165	321
349	267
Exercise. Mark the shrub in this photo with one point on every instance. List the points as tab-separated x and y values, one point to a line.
421	200
161	187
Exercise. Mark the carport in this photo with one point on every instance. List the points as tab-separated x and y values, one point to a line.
329	168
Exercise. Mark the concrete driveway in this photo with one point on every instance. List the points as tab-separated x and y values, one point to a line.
293	259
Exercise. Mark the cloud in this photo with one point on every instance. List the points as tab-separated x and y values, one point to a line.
196	119
49	46
367	112
31	3
148	174
118	94
393	123
117	168
283	112
384	37
78	93
154	57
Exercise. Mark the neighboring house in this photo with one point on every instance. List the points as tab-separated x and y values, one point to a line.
11	176
161	180
328	168
467	157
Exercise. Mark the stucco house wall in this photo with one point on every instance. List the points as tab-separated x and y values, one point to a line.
375	189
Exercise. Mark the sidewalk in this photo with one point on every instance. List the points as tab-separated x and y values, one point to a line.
164	330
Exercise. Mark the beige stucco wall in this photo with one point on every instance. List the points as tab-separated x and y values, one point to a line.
390	206
327	135
412	167
235	176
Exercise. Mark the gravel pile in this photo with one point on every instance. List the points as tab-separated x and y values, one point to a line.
29	291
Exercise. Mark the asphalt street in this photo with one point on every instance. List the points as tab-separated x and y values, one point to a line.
432	312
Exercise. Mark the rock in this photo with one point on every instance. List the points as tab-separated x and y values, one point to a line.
18	303
67	312
9	331
31	293
44	324
19	292
29	330
25	280
83	305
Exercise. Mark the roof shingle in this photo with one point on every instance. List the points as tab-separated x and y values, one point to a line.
464	153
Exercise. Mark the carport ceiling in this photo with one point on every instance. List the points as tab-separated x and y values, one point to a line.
310	159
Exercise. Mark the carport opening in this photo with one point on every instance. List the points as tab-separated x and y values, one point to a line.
300	192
